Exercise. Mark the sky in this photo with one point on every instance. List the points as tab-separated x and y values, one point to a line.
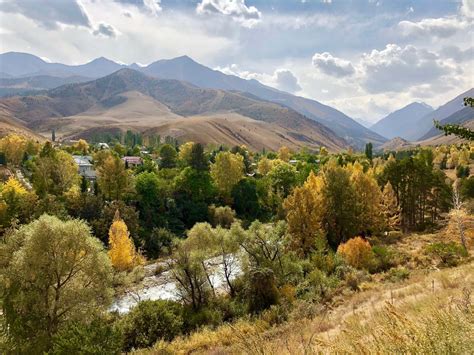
364	57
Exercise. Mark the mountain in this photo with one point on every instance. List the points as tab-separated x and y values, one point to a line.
460	117
396	143
363	122
128	99
27	85
186	69
400	123
425	123
17	64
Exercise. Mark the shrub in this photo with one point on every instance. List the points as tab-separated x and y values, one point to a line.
397	274
150	321
261	290
384	258
159	241
276	314
97	337
221	216
462	171
450	254
356	252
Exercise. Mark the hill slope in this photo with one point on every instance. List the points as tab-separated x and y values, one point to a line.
400	123
128	99
425	123
460	117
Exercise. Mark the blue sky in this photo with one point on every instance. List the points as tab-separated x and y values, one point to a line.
364	57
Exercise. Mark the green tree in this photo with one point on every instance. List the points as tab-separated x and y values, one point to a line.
151	321
368	151
168	156
113	178
246	201
52	272
282	177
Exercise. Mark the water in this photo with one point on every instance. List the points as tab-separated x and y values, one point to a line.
162	287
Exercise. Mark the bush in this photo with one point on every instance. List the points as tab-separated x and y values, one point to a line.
221	216
356	252
450	254
150	321
97	337
462	171
197	318
159	241
384	258
261	290
397	274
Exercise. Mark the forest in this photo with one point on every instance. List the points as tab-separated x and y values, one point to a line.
291	232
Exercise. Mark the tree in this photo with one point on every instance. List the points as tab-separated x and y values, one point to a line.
14	148
458	130
458	219
185	152
246	202
151	192
226	172
17	202
167	156
222	216
340	220
357	252
113	178
390	208
81	146
282	177
198	159
52	272
284	153
366	201
368	151
122	252
264	166
261	290
54	172
304	214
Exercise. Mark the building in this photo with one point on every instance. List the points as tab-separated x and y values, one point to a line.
132	161
86	169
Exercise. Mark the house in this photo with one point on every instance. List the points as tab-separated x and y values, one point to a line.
86	169
132	161
103	146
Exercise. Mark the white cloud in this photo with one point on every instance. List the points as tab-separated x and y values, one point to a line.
281	78
49	14
432	27
248	16
467	8
105	30
151	6
395	68
333	66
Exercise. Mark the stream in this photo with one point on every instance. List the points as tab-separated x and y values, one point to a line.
162	287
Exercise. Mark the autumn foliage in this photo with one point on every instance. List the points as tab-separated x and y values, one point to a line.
122	251
357	252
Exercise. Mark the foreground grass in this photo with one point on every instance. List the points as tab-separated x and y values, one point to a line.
431	313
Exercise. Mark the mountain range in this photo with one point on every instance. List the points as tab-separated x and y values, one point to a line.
185	69
62	96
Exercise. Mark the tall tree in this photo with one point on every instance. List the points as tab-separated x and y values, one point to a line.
14	148
52	272
368	151
390	208
226	172
167	156
122	252
113	178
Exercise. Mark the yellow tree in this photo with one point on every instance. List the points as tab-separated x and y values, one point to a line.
185	151
304	214
264	166
390	208
14	148
226	172
82	146
357	252
367	199
122	252
284	153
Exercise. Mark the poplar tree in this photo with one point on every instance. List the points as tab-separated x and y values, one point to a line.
122	252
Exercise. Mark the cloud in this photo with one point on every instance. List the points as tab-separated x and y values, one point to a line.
333	66
434	27
286	80
105	30
151	6
395	68
248	16
457	54
49	13
467	8
281	78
